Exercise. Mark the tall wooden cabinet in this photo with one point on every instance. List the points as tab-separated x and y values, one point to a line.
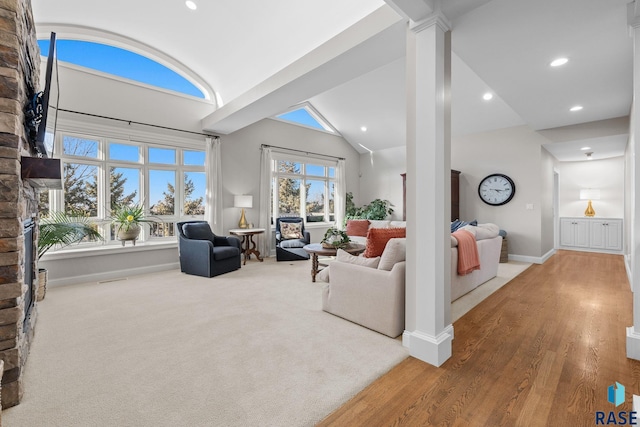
455	195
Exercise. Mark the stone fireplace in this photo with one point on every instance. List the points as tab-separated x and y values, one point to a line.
19	78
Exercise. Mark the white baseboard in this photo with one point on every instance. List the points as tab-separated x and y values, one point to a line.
532	259
111	275
598	251
434	350
633	344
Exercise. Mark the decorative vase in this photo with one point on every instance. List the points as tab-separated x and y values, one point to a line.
131	234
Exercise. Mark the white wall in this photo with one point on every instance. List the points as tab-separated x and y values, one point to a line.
380	178
107	264
241	163
629	199
607	175
100	94
515	152
547	166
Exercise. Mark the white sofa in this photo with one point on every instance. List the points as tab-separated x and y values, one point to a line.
489	247
489	253
367	296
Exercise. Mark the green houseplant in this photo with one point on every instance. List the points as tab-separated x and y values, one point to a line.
61	229
127	220
335	238
377	209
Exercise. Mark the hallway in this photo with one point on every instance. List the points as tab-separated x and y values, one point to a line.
540	351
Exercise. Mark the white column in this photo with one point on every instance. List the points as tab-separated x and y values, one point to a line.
633	332
428	331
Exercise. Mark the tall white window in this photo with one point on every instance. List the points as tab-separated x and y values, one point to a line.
100	173
304	187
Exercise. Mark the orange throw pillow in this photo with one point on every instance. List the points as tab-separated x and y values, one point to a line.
377	239
357	227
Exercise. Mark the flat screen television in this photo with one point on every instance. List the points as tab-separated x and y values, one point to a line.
45	106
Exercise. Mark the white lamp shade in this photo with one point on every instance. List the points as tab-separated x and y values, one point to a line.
590	194
243	201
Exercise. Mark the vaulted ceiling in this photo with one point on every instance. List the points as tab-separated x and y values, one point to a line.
347	59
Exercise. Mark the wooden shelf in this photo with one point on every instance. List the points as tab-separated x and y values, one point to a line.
42	172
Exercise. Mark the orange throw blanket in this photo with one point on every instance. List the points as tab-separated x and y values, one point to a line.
468	258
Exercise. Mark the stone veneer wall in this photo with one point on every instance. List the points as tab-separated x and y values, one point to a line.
19	67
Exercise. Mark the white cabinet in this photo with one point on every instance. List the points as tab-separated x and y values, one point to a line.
598	234
606	234
574	232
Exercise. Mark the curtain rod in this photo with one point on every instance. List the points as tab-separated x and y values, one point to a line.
138	123
300	151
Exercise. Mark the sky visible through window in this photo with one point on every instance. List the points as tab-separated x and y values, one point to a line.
301	116
122	63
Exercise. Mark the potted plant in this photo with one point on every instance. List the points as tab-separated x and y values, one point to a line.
127	219
335	238
61	229
377	209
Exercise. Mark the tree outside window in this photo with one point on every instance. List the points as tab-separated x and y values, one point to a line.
303	190
101	173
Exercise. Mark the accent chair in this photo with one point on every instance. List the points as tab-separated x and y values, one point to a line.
289	246
202	253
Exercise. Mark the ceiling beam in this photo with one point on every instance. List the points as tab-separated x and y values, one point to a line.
369	44
415	10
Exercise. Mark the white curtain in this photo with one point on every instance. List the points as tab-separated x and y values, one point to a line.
213	202
341	194
265	201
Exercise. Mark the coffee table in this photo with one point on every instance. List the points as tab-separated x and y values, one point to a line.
315	249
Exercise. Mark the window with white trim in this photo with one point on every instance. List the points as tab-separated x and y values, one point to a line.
100	173
304	187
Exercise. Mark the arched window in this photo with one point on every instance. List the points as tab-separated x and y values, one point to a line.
122	63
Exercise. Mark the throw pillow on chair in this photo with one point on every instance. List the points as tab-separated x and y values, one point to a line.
291	230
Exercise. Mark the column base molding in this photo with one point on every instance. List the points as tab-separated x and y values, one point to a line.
633	343
434	350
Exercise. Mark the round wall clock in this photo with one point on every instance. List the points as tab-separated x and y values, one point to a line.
496	189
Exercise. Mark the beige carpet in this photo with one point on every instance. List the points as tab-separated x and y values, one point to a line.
250	348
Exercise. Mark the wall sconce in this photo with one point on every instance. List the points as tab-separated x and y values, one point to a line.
589	194
243	201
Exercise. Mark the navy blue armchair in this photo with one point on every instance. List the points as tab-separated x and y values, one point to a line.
202	253
291	249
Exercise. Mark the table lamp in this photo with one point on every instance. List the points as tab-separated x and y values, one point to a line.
589	194
243	201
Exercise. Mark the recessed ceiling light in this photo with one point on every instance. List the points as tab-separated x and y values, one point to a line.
363	128
585	148
487	96
558	62
191	5
576	108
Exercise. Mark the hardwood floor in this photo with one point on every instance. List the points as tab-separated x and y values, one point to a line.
540	351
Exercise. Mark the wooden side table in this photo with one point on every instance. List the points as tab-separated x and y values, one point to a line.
248	244
315	249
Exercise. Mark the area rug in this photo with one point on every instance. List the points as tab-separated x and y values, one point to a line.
506	272
249	348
